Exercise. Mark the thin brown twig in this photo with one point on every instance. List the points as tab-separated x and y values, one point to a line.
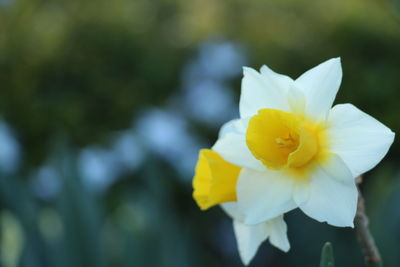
372	256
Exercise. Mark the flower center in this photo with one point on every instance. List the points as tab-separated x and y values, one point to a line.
282	140
287	142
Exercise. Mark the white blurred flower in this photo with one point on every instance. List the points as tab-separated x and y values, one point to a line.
167	134
9	149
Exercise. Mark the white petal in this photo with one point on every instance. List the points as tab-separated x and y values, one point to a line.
296	100
232	126
263	90
279	80
263	195
249	238
360	140
320	86
278	236
232	147
232	210
301	192
333	193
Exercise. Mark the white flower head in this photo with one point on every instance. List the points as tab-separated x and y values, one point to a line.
295	150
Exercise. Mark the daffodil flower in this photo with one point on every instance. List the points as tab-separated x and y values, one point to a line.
215	183
295	150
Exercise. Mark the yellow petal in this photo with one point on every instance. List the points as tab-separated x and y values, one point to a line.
306	150
282	140
215	180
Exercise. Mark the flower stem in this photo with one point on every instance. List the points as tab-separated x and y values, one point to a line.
372	256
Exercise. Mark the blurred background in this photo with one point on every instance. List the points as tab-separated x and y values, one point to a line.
105	104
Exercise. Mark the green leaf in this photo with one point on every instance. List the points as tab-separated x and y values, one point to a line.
327	259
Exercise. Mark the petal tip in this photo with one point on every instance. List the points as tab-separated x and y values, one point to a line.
264	68
245	262
336	60
246	69
286	249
